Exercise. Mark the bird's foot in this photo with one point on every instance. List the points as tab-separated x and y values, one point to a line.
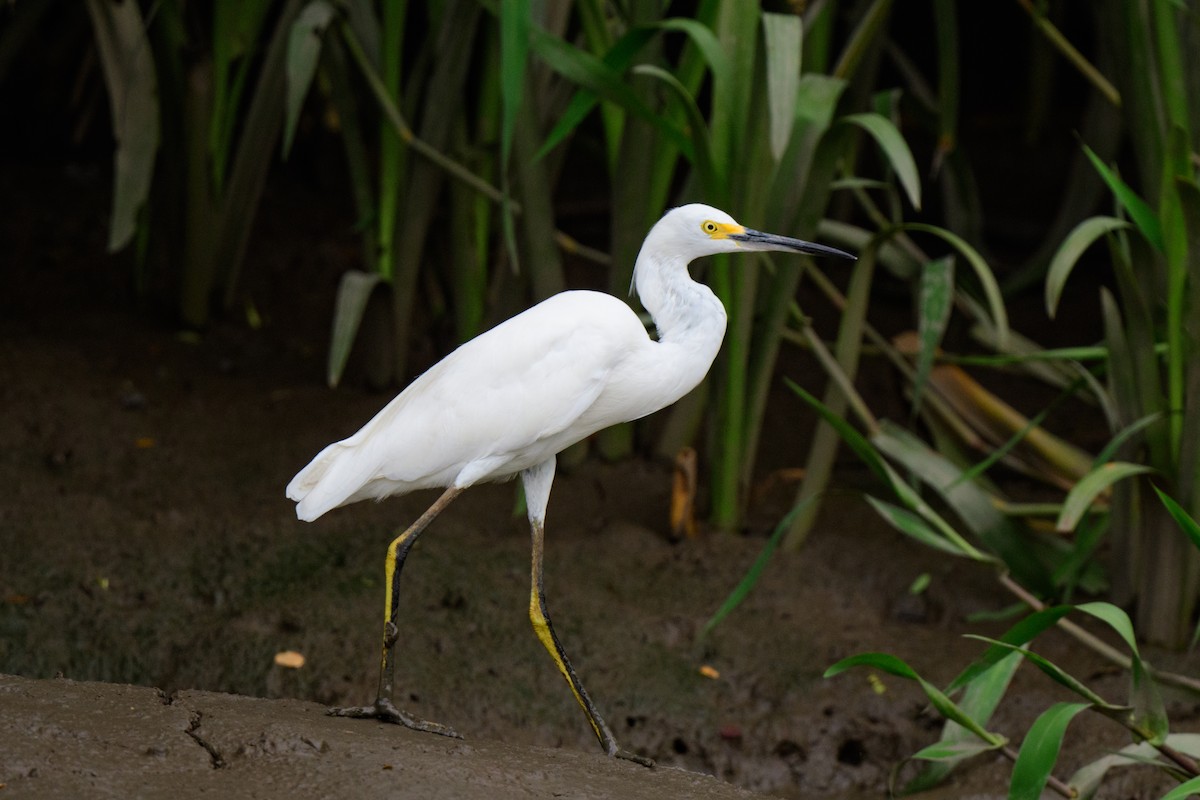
635	758
385	711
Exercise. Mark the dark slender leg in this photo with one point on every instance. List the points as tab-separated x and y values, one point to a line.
537	492
384	708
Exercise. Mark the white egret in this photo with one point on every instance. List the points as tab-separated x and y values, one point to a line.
506	402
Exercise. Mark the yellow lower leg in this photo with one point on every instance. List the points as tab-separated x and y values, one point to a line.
397	552
540	618
383	708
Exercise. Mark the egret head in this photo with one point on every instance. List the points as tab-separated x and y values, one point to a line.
698	230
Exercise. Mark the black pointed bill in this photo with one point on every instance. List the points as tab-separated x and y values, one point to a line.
757	240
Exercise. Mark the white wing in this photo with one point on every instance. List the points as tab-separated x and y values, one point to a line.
506	400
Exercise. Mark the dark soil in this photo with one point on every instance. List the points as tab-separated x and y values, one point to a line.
145	539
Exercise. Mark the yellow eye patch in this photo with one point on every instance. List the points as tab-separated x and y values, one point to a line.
719	230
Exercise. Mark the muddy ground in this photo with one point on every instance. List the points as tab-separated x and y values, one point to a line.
145	540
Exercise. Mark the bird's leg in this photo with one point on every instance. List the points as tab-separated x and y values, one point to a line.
537	492
384	708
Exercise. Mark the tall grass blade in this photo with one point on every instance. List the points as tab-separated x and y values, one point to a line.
515	24
945	706
514	51
913	526
983	273
946	754
304	52
839	392
945	13
587	71
935	300
1149	713
1020	634
1039	751
1186	522
1067	256
392	156
253	155
703	160
968	500
862	39
1058	675
354	290
855	440
1079	500
1188	191
1142	215
783	38
237	29
750	580
618	58
895	149
980	699
1189	788
128	66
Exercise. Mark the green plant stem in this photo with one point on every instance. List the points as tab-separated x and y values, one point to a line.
403	130
455	169
1077	59
1096	644
834	370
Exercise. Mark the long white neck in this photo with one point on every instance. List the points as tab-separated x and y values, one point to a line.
685	312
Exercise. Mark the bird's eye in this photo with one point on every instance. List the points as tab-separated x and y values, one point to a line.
709	226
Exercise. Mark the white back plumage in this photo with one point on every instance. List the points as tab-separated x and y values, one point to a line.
518	394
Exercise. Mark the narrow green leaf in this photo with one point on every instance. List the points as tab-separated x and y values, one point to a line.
911	525
1039	751
1018	635
953	751
706	43
1067	256
1079	499
1182	518
1084	353
1132	429
1141	213
783	37
864	38
855	440
1089	777
748	582
618	58
1003	450
972	504
946	29
979	699
1116	619
354	291
127	61
1057	674
892	143
880	661
514	53
587	71
699	130
1186	789
945	706
987	280
936	298
304	51
1149	713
